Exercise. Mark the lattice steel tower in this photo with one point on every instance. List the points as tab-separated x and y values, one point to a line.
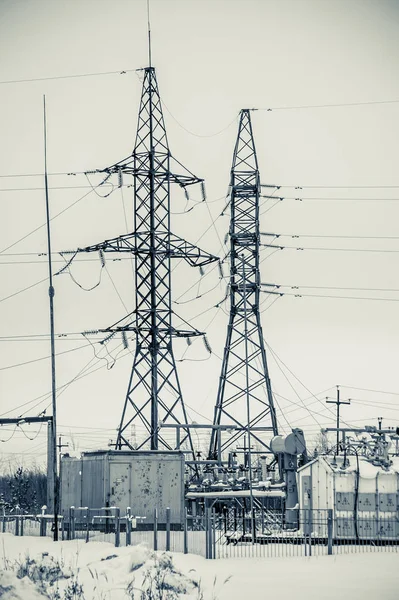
244	395
154	395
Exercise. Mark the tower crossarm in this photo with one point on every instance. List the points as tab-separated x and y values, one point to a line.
195	257
127	167
136	243
122	243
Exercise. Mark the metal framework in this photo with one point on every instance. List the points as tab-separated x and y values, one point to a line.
154	395
244	394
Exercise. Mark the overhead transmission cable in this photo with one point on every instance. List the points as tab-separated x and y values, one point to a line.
44	224
199	135
334	105
325	407
74	76
35	360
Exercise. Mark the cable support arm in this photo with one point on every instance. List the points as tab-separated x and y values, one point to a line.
126	167
176	248
113	330
195	257
122	243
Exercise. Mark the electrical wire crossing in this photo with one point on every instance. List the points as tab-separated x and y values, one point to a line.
244	395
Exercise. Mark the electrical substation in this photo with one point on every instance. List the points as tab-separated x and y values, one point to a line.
256	480
248	480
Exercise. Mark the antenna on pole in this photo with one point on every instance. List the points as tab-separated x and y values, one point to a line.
53	453
149	33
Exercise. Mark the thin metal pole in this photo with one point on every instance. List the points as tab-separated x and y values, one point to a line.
51	299
251	499
338	403
149	33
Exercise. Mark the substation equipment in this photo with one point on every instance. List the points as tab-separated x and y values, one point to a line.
360	485
249	464
122	478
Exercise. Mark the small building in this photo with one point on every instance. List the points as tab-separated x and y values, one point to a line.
363	496
141	480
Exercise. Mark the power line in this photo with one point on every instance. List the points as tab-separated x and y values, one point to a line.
78	75
321	249
61	187
198	135
28	362
385	405
339	187
42	262
336	198
338	297
44	224
16	175
369	390
338	237
321	287
299	381
337	105
60	389
23	290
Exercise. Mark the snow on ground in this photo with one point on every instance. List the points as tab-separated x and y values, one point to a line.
105	572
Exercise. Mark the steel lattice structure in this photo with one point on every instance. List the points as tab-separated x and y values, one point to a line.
154	395
244	396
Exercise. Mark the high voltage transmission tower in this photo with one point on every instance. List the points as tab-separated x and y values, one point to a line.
154	395
244	397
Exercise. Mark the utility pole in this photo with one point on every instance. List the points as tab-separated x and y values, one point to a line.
380	423
51	293
60	446
338	402
244	375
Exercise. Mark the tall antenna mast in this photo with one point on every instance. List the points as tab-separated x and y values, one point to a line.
51	300
244	380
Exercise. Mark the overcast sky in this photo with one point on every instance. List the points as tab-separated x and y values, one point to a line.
212	59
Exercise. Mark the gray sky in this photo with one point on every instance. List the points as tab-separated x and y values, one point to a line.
212	58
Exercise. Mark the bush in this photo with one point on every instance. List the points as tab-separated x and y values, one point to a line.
26	488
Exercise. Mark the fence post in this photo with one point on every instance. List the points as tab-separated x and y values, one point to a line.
71	532
43	522
117	527
213	532
209	546
185	537
17	517
87	524
128	526
330	530
167	529
4	520
21	530
155	529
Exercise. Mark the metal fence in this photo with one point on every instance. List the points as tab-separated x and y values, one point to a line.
21	524
107	524
319	532
231	533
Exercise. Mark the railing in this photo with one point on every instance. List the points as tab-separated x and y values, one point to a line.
319	532
21	524
231	533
